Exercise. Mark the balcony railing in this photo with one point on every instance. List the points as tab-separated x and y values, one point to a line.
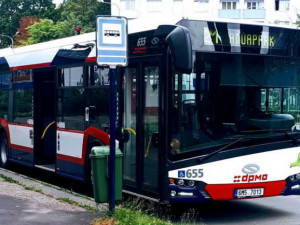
254	14
230	13
242	14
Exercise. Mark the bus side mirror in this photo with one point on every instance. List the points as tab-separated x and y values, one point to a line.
180	44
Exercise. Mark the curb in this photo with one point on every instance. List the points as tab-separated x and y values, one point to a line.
54	191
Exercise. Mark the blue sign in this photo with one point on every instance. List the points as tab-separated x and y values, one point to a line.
111	41
181	173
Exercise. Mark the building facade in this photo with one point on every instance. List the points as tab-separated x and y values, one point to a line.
282	12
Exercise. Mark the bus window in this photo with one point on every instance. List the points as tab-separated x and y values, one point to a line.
23	96
4	87
71	101
275	100
98	96
98	76
70	77
234	95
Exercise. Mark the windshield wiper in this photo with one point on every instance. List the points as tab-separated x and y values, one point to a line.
221	149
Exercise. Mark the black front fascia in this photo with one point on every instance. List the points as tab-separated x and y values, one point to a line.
243	38
145	44
70	57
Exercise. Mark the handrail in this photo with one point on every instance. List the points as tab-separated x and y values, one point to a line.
131	130
45	130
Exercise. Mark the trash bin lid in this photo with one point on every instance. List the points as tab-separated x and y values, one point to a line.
103	151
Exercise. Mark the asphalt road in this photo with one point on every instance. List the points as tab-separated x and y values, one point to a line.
21	212
274	211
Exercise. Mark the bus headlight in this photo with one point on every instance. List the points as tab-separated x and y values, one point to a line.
173	193
294	177
191	183
180	182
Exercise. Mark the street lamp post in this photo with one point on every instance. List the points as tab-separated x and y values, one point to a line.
102	1
11	39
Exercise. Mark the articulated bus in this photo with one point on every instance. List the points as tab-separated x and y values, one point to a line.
206	110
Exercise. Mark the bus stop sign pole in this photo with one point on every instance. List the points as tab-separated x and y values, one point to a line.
111	38
112	155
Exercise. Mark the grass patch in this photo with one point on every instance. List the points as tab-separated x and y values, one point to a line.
136	211
9	179
131	217
29	188
72	202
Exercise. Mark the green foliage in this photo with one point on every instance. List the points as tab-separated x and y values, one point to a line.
72	202
136	217
73	13
12	11
85	12
298	21
42	31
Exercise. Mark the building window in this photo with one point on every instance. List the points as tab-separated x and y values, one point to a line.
201	5
228	5
282	5
255	5
128	4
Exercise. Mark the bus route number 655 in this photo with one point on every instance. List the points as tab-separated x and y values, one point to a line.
194	173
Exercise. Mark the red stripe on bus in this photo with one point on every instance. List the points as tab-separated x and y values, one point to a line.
30	66
70	159
71	131
226	191
21	125
91	59
21	148
96	133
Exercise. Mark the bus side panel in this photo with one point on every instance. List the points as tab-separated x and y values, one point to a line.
70	160
21	143
71	148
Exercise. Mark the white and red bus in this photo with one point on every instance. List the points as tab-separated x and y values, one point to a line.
46	92
212	108
219	123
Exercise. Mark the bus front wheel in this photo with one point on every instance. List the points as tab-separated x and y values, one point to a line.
3	151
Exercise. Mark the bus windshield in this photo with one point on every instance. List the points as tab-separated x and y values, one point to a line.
231	96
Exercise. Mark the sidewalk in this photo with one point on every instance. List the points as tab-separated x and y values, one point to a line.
27	201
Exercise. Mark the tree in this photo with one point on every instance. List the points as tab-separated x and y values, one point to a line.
12	11
85	11
23	34
298	21
42	31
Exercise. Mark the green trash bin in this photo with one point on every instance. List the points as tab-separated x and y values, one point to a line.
99	158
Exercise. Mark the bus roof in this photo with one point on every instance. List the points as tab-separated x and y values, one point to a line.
43	54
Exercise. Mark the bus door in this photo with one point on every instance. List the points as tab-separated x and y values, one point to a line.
45	118
141	107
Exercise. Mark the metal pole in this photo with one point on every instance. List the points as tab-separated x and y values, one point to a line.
12	41
112	155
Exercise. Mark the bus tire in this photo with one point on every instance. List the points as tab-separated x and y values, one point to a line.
4	162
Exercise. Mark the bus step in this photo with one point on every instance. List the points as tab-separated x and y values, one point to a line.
49	167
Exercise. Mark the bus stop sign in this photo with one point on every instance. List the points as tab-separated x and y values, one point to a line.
111	39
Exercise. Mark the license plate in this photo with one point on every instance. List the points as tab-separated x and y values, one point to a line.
247	193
